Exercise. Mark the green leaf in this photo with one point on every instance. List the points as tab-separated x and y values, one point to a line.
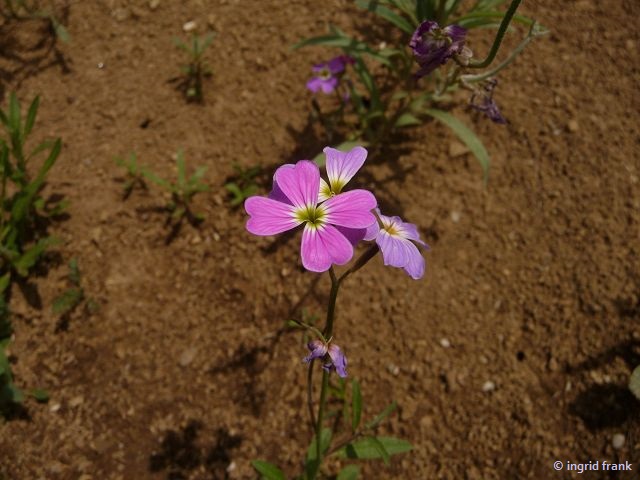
350	472
29	258
61	31
14	113
466	135
634	382
356	405
182	170
372	447
40	395
155	179
350	45
312	463
389	15
67	301
406	120
320	159
5	280
31	116
268	470
382	451
381	416
474	20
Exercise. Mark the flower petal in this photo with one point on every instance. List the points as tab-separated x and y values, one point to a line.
351	209
300	184
338	359
325	191
416	265
354	235
329	85
410	231
315	84
395	250
269	216
322	246
318	350
342	166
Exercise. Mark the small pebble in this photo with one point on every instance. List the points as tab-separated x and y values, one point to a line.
393	369
488	386
153	4
54	407
455	216
445	343
231	467
189	26
573	126
187	357
618	441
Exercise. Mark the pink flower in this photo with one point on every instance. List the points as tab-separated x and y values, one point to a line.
295	201
395	239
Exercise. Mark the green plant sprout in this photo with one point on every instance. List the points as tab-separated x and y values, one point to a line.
74	296
182	191
134	174
197	69
24	10
376	90
242	184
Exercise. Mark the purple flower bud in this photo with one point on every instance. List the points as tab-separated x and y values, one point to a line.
317	348
432	46
336	361
487	104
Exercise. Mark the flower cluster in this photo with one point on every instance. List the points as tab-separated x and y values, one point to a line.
433	46
327	75
333	220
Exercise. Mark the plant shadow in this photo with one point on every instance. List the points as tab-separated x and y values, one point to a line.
184	451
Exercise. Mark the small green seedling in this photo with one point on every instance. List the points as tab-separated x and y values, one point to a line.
243	184
182	191
74	296
194	71
134	174
23	10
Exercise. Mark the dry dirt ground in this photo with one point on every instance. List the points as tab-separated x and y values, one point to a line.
533	282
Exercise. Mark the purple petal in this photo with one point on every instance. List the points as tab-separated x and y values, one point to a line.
325	191
269	216
410	231
416	265
342	166
336	65
329	85
318	350
395	250
351	209
276	193
338	359
372	232
322	246
315	84
354	235
300	184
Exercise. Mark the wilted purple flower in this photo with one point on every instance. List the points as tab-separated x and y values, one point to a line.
487	104
294	201
327	75
395	239
337	360
432	46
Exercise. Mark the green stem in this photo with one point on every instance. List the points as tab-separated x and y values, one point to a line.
328	331
516	51
506	20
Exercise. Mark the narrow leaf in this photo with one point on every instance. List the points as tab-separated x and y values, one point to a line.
39	395
381	416
389	15
466	135
406	120
372	448
31	116
350	472
268	470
